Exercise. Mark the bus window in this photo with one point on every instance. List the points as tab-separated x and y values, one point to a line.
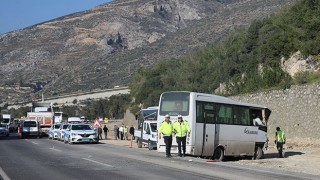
224	114
205	112
241	116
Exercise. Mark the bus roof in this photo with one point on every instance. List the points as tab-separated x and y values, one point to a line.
221	99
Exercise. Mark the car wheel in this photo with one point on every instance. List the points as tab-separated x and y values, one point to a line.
218	154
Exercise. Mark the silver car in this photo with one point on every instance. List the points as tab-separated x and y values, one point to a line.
60	131
80	133
4	131
53	131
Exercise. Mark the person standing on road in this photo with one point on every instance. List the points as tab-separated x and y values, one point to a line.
125	132
99	133
181	129
116	132
121	132
280	140
166	130
105	130
131	131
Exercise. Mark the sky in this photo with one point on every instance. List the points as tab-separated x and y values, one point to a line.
18	14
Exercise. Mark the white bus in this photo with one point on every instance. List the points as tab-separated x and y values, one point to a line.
219	126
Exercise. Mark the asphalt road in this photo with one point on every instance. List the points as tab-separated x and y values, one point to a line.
49	159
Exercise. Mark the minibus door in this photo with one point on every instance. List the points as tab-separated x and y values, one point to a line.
209	133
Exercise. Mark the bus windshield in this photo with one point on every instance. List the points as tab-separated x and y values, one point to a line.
175	103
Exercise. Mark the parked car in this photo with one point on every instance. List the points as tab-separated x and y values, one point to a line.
4	131
60	131
53	131
80	133
30	128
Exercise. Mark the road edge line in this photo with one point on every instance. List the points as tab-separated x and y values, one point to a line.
4	175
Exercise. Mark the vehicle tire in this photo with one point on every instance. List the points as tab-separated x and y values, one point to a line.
218	154
258	154
149	145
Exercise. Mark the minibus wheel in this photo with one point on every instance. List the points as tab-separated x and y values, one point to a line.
258	154
218	154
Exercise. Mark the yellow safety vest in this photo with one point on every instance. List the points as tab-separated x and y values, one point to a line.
181	129
280	136
166	128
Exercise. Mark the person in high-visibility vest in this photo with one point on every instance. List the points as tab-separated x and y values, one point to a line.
125	132
280	140
181	129
166	130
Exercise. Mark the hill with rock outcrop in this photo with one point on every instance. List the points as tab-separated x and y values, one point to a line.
103	47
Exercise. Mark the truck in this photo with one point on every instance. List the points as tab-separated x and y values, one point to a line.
43	113
8	122
146	133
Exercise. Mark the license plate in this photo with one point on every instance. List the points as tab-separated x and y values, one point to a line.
85	140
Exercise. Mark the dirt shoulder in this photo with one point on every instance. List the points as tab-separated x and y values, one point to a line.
302	159
301	155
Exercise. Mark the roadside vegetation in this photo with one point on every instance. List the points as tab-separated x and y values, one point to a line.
248	60
113	108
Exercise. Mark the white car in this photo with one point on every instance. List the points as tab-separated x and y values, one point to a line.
61	131
4	131
53	131
80	133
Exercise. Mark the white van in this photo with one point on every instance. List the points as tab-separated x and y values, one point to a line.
30	128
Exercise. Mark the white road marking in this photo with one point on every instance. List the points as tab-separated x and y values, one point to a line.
31	141
97	162
55	149
4	175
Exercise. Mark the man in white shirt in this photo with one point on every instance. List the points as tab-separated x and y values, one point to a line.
257	121
121	132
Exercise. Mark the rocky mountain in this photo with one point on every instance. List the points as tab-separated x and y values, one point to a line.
103	47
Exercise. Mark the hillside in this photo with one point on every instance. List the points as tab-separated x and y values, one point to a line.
274	52
104	46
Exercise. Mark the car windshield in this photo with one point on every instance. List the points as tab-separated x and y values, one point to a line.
57	126
6	120
65	126
30	124
81	127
